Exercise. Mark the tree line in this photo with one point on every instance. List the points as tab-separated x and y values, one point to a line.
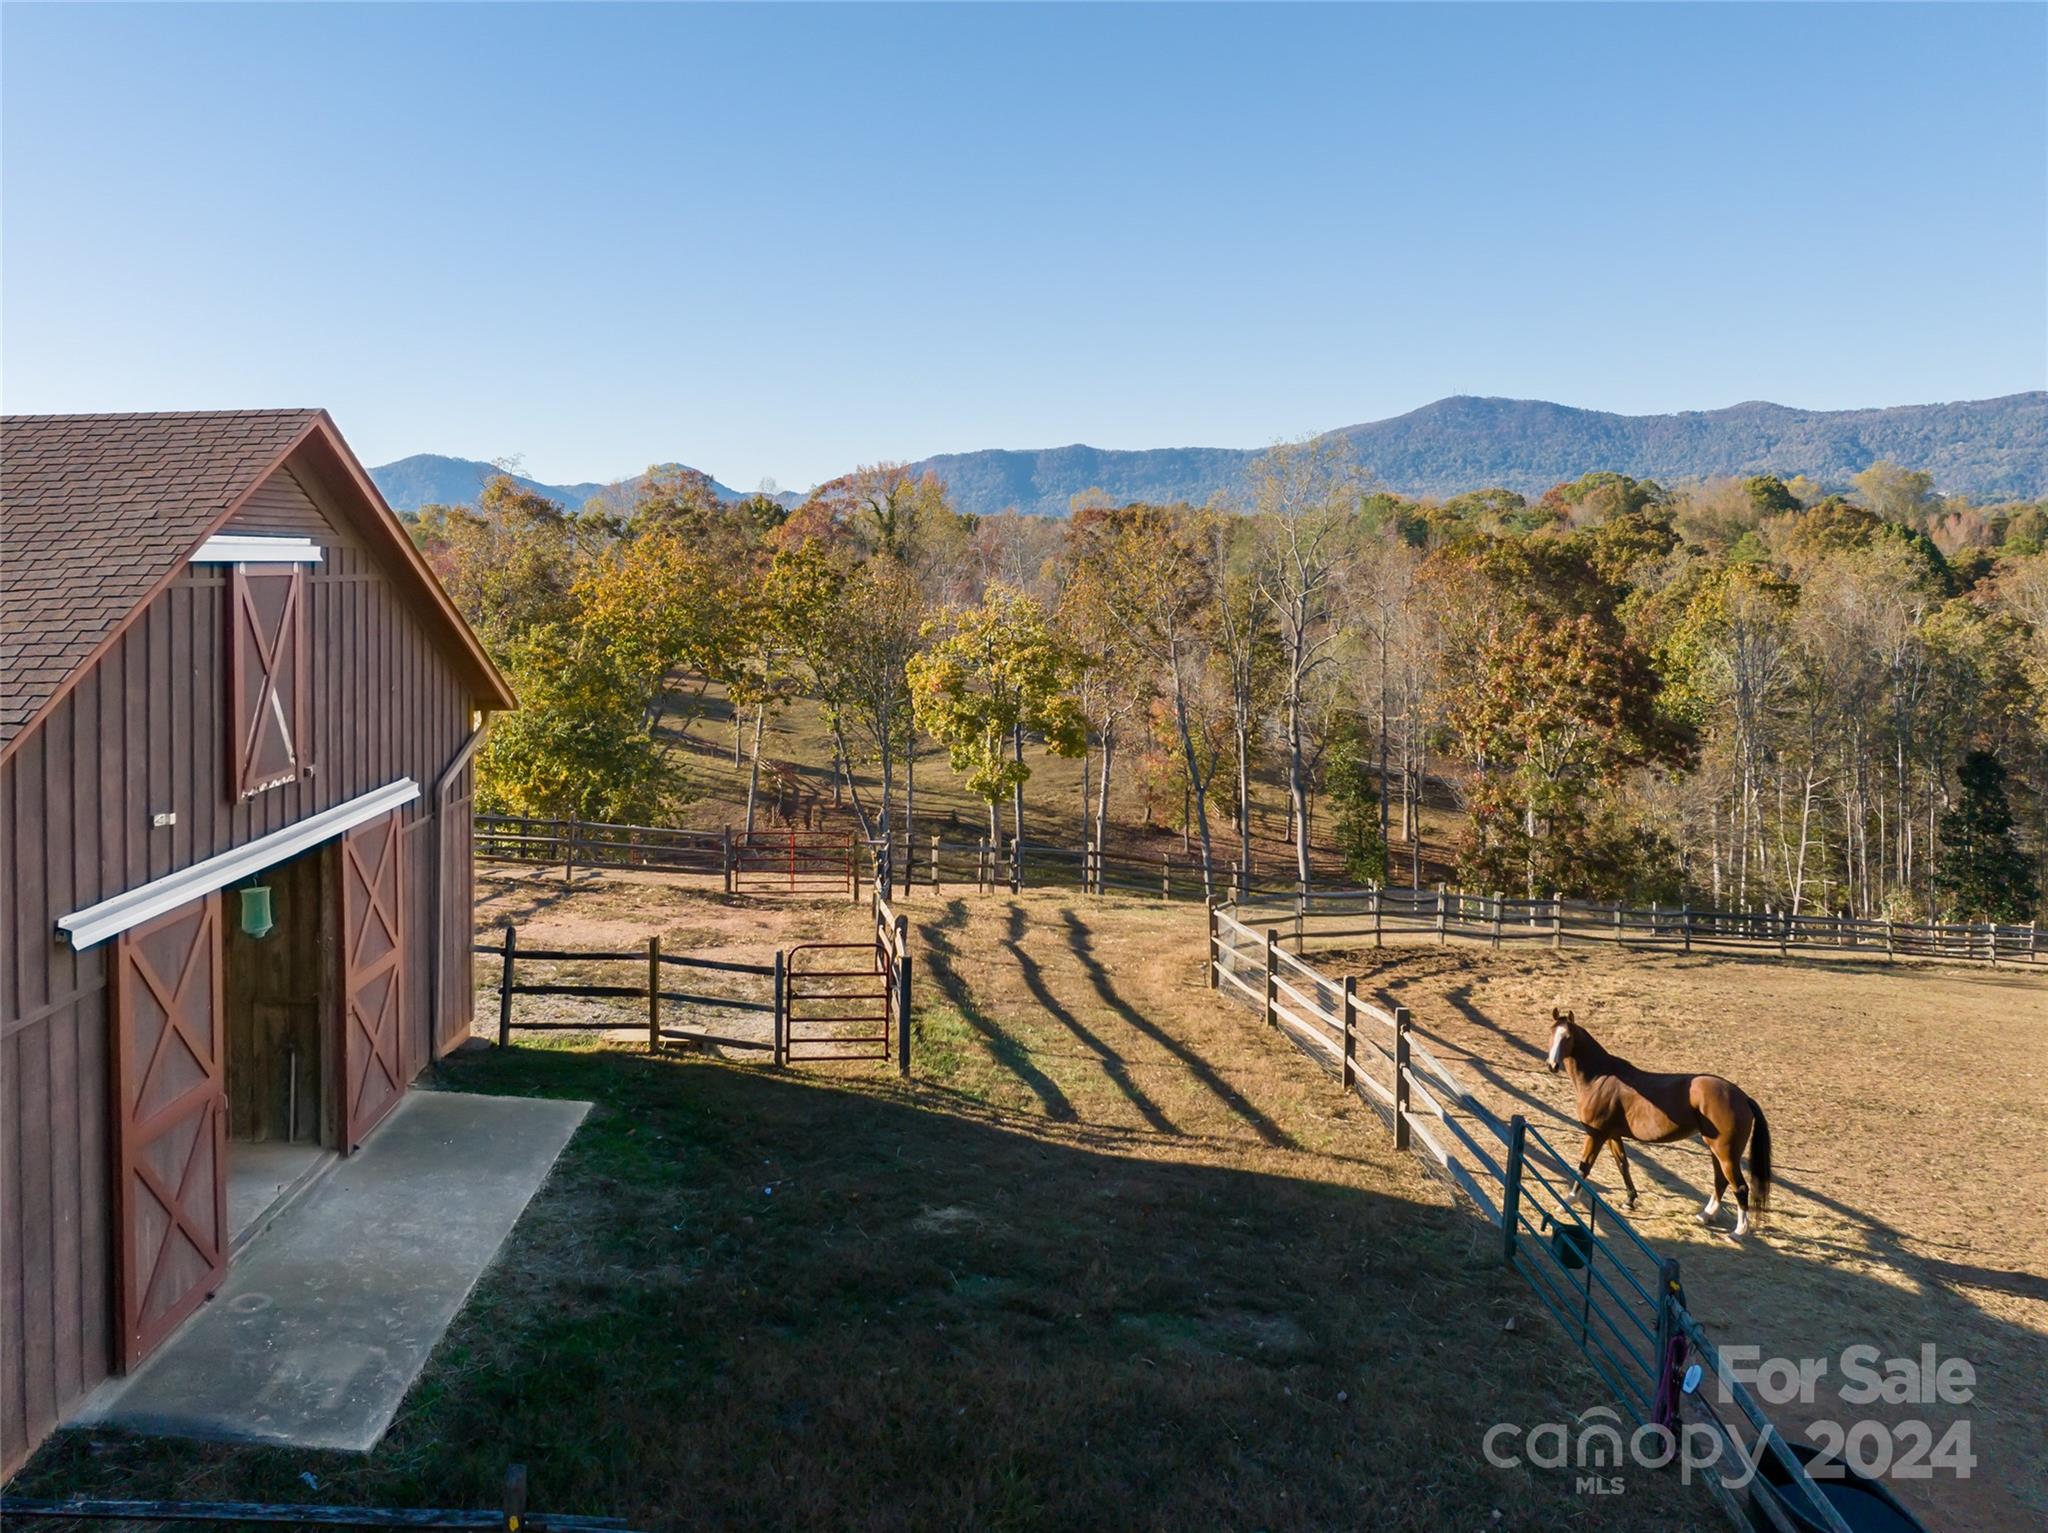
1748	691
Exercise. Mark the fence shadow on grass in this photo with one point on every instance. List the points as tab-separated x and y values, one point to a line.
1112	1063
1079	942
1007	1052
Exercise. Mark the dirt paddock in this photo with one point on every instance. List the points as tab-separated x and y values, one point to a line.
1911	1145
1906	1105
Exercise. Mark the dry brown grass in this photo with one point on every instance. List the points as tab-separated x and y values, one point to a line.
1116	1257
1085	1026
1911	1140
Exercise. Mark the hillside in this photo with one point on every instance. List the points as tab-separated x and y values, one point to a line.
1991	449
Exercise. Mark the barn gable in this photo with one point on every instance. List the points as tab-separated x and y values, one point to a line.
98	512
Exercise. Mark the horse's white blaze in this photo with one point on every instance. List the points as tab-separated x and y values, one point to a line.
1556	1046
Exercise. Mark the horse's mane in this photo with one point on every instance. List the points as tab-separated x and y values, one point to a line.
1592	1055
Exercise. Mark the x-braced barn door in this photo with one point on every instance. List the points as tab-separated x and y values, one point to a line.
170	1121
373	979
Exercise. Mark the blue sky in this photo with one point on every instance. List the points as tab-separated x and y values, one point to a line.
778	241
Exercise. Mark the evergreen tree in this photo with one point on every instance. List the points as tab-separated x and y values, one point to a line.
1348	782
1983	875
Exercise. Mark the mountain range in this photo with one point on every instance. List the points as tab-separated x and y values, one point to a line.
1988	449
431	479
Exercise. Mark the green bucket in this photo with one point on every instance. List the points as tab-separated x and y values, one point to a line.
1572	1243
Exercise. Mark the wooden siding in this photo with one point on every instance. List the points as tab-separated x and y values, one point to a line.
145	732
282	505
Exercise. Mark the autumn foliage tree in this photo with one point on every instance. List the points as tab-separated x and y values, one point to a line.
1552	716
998	672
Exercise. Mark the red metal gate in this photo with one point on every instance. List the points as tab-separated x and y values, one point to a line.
796	862
837	1002
170	1121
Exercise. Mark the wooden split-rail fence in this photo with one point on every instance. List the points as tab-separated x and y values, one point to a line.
990	865
1618	1299
786	861
1329	914
812	994
796	861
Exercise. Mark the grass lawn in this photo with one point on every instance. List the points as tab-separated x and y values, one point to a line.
1116	1257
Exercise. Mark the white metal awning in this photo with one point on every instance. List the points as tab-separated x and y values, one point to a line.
257	548
109	917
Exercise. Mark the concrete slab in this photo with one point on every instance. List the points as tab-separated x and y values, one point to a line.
263	1173
328	1316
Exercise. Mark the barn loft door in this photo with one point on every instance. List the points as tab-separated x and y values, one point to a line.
170	1121
373	982
267	675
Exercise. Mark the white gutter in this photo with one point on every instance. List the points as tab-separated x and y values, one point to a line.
249	548
108	918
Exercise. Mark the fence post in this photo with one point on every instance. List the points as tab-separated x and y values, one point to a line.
725	855
1556	921
2030	942
1511	1189
1214	949
1664	1399
1440	932
1496	918
779	1034
1784	932
1272	941
505	988
1016	864
654	995
568	851
1400	1077
1888	944
1377	937
1619	939
903	997
1166	877
935	862
1350	1076
1685	924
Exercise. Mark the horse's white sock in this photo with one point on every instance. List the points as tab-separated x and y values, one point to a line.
1742	1221
1713	1207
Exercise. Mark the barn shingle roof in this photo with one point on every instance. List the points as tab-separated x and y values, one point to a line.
95	510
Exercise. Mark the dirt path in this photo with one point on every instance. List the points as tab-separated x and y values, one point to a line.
1907	1110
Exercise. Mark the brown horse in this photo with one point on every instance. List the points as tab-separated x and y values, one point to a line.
1617	1101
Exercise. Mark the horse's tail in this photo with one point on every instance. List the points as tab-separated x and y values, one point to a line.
1760	1157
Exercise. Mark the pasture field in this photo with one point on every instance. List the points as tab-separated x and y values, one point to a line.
1909	1109
1115	1257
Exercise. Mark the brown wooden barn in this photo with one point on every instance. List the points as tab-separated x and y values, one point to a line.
237	713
